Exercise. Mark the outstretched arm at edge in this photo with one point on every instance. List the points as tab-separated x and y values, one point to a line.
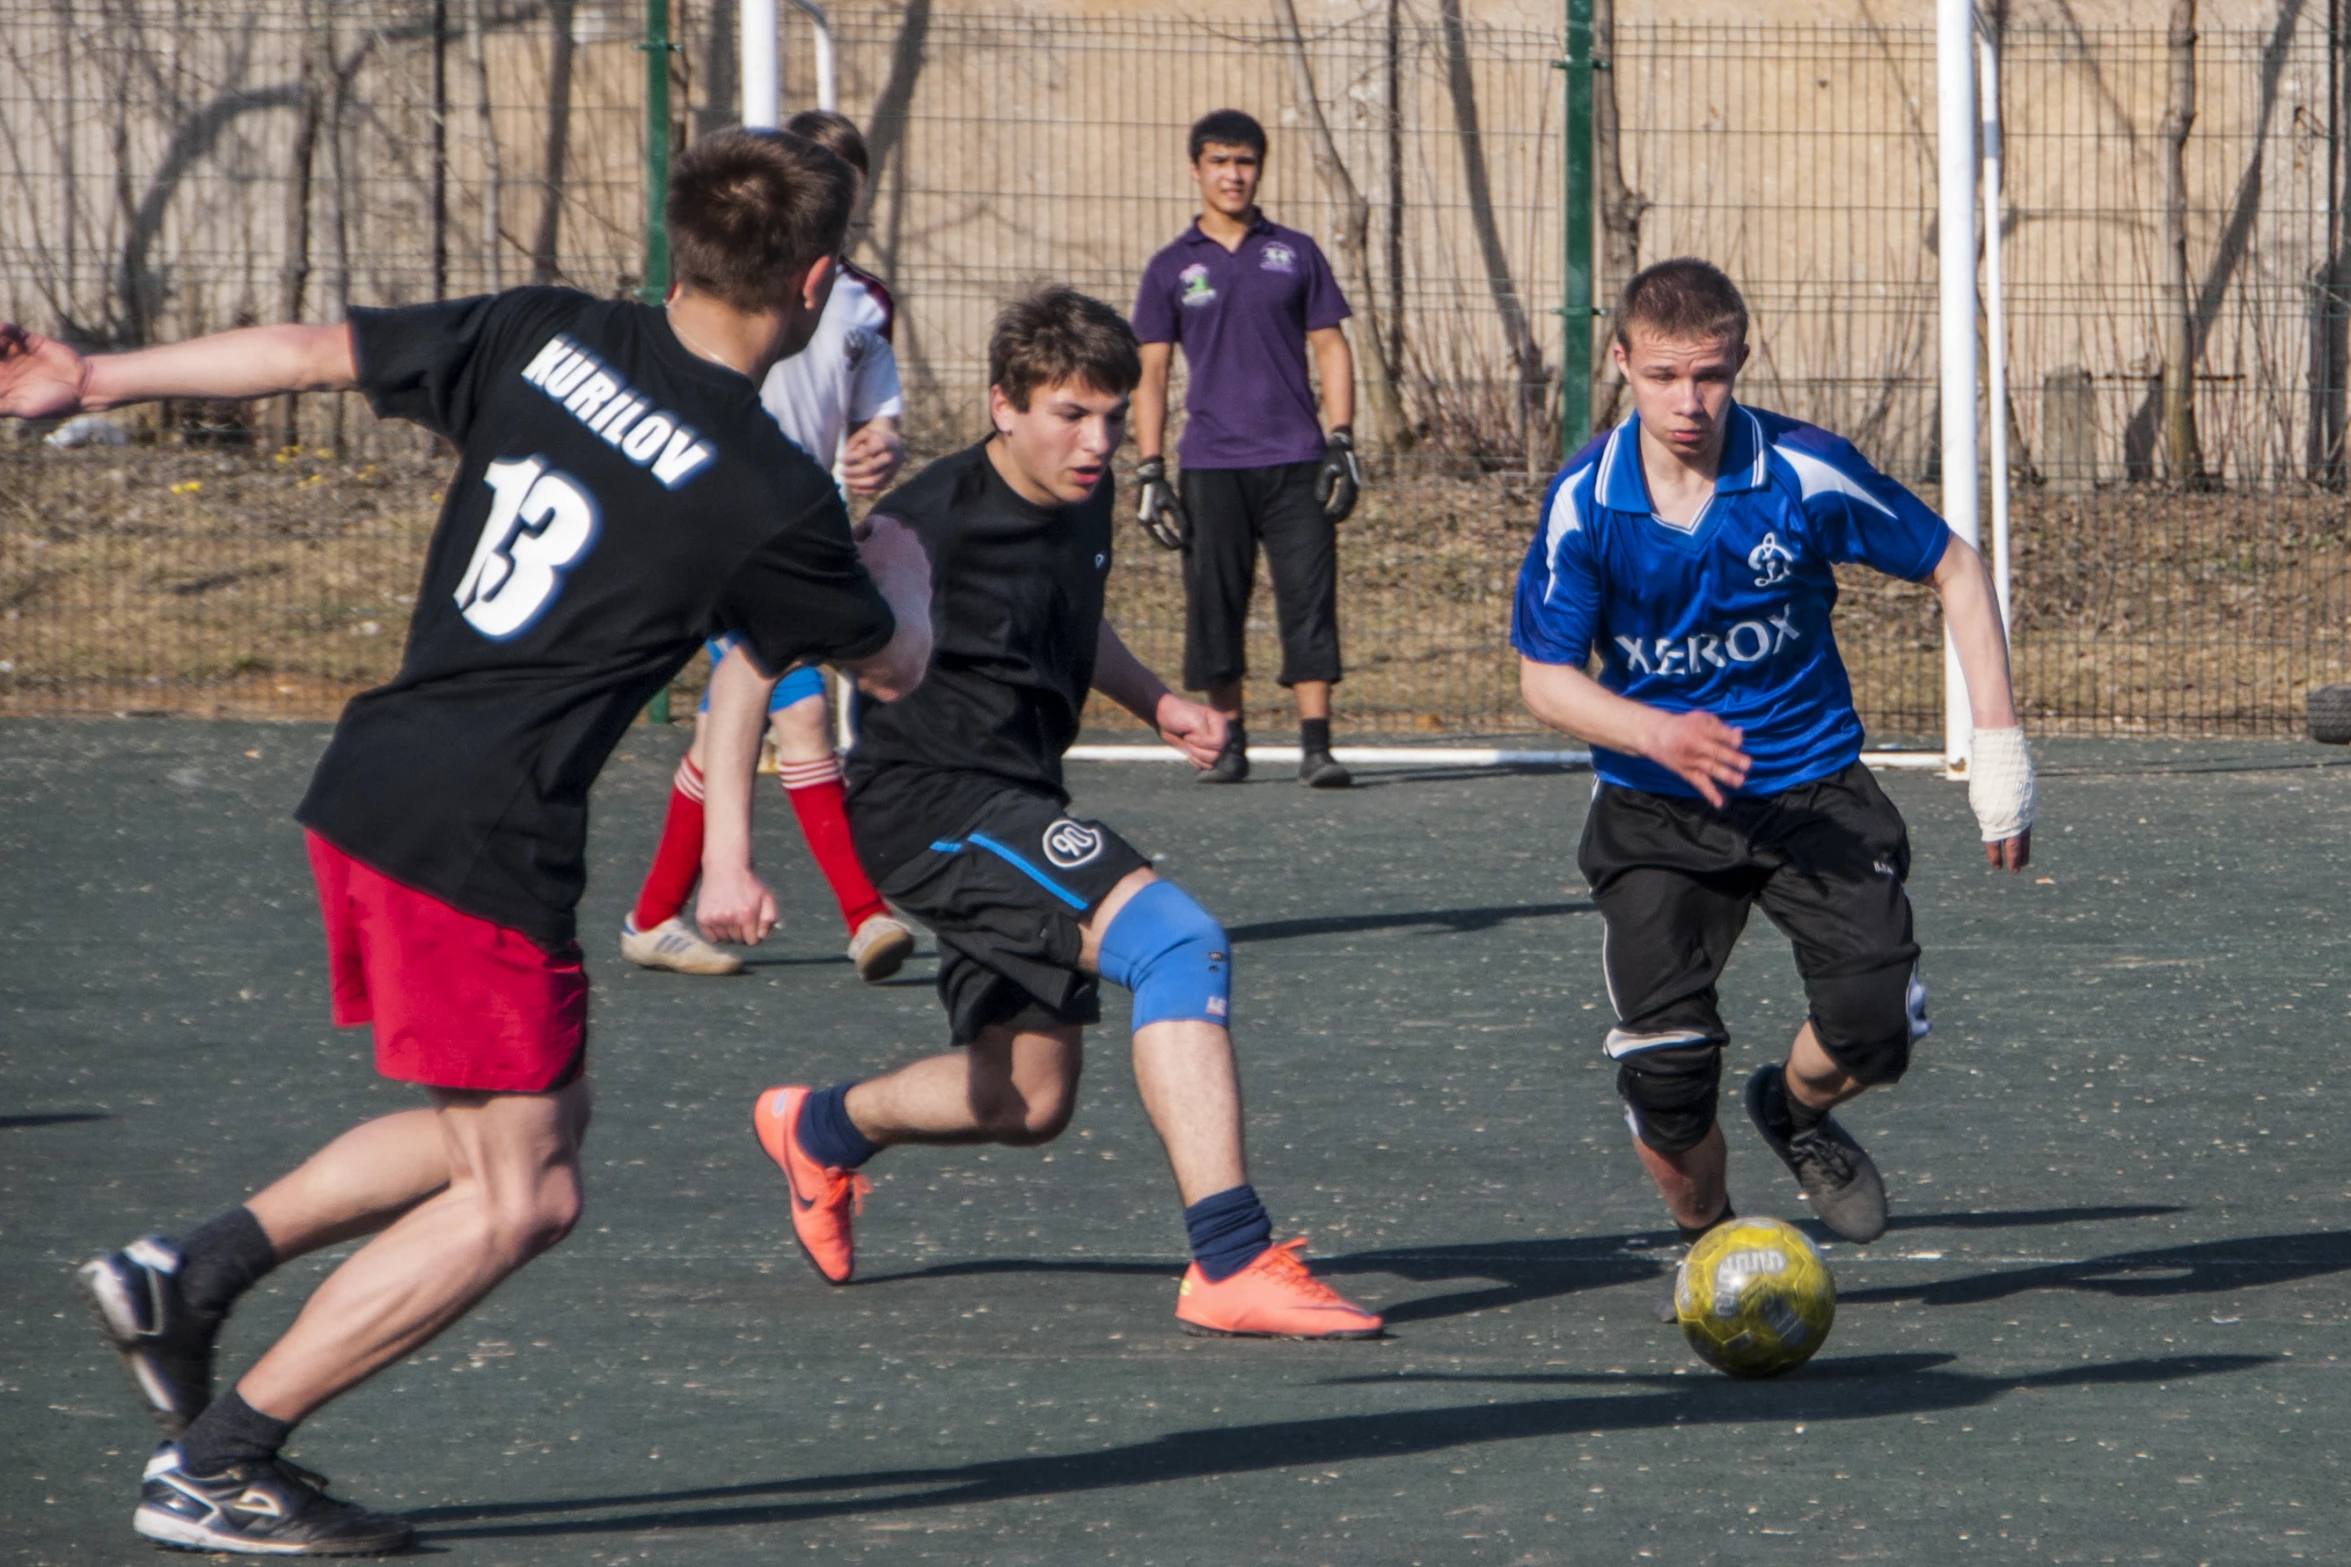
1698	748
41	378
1192	728
1972	611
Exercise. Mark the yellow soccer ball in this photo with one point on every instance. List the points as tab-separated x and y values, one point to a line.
1755	1298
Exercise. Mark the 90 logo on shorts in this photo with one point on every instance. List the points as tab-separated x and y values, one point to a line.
1070	844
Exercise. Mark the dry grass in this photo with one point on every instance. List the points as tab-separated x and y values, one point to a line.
222	583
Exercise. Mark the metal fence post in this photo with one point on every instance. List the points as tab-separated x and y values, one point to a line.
656	285
1575	300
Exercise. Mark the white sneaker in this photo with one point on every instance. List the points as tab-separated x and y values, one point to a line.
671	945
880	948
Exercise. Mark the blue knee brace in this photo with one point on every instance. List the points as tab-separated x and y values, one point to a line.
1172	954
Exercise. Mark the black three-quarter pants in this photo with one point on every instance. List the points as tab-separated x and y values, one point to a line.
1674	879
1232	511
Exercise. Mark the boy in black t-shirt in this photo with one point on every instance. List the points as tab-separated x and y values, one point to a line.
958	809
620	496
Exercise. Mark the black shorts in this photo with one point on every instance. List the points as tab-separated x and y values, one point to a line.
1674	879
1004	892
1233	510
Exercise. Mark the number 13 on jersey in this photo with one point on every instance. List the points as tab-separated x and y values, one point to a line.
541	522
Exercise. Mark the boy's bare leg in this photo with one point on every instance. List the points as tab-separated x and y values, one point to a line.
1692	1182
803	732
1007	1086
1814	1076
355	1185
513	1190
1191	1089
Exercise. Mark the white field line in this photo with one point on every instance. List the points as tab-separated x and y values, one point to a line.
1441	756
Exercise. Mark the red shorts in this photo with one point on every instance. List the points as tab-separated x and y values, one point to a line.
457	1001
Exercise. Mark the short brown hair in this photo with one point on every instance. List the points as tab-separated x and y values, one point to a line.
835	133
1682	299
749	210
1057	334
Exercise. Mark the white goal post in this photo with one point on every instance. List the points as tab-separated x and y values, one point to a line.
1967	135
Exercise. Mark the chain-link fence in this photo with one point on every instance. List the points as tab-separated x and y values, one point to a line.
173	168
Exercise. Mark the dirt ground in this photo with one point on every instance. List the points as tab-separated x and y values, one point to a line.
235	584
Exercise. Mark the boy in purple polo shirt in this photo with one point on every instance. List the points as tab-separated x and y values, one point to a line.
1246	298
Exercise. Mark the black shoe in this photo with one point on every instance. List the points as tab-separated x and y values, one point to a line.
165	1346
1232	763
267	1507
1839	1179
1321	770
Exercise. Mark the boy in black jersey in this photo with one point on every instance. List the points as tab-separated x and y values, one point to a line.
958	809
620	496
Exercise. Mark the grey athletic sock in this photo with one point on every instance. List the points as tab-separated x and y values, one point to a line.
222	1258
231	1431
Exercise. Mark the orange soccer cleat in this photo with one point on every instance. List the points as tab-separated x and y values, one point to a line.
1273	1297
823	1197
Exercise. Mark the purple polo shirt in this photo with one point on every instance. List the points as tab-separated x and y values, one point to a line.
1242	317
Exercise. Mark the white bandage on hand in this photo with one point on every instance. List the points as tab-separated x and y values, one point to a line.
2000	783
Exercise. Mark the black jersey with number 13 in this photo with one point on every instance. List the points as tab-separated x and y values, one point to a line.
617	499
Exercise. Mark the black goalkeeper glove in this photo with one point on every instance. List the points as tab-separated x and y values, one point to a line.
1335	487
1161	513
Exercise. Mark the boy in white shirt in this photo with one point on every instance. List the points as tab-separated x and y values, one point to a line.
839	400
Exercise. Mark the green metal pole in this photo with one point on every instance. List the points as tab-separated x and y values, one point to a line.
657	47
656	285
1575	302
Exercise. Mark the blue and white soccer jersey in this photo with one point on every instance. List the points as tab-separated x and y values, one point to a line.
1729	614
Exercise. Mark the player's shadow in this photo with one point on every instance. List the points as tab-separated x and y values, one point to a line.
1526	1270
1827	1391
11	1123
1456	922
1541	1270
2199	1268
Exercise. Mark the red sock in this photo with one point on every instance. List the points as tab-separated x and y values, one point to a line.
677	863
814	788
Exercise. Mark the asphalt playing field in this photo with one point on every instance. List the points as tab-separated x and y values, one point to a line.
2105	1326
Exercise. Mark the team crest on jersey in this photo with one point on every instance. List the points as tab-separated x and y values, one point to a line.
1770	560
1197	289
1278	258
1070	844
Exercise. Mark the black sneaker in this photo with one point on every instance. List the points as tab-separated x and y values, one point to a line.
268	1507
1321	770
166	1346
1839	1179
1232	763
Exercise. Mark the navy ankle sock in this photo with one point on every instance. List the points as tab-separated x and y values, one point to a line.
1314	734
1801	1116
826	1133
222	1258
1228	1230
230	1431
1692	1232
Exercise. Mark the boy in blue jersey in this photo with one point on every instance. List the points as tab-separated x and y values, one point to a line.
1691	548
